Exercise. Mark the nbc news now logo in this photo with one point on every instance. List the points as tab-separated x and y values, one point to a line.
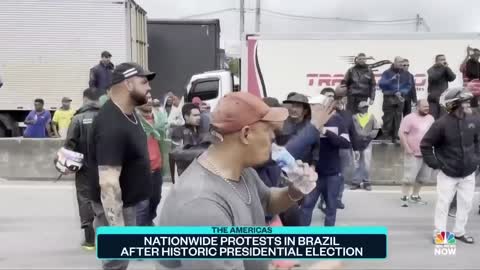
445	244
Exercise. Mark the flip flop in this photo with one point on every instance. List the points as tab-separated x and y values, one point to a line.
465	238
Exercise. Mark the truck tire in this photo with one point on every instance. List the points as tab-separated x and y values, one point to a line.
3	130
8	126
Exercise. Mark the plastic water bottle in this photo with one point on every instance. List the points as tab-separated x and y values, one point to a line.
288	164
283	158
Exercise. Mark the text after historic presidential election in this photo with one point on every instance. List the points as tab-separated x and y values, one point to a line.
167	243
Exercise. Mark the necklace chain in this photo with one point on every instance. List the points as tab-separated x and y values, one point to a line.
126	116
215	170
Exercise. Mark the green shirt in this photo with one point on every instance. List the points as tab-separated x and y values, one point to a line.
159	131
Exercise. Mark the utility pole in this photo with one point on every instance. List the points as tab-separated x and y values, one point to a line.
257	17
242	18
418	23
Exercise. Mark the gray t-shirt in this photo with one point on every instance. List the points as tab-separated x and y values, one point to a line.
201	198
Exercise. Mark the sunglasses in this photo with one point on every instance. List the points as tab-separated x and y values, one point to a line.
406	65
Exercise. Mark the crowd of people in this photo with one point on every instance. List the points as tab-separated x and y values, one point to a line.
224	161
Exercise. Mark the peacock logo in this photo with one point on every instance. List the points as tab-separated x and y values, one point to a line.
445	238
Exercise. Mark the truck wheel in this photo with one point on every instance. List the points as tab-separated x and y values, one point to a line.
3	130
8	126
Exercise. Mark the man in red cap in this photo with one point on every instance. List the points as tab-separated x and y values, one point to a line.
221	182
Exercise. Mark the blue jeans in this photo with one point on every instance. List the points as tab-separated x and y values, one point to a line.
329	188
346	159
143	213
147	209
362	166
129	217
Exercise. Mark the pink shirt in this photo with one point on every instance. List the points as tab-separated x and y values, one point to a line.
414	126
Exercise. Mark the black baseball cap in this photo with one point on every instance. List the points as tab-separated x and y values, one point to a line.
128	70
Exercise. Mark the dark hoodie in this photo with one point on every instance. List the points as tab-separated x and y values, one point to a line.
438	78
101	77
79	136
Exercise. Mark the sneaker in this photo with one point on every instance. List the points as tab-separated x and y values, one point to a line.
340	205
89	242
88	246
354	187
367	186
404	200
417	200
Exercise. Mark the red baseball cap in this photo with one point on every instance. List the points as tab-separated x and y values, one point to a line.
239	109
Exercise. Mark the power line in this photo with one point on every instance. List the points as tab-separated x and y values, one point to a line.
304	17
310	18
211	12
424	24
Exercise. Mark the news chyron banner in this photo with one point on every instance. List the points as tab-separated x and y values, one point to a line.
242	243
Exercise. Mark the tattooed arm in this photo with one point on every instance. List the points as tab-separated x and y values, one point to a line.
111	194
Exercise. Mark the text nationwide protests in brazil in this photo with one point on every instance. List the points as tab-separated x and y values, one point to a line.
243	243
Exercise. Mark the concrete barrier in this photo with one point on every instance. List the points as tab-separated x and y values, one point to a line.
32	159
387	164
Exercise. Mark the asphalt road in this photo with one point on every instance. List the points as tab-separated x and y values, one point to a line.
39	229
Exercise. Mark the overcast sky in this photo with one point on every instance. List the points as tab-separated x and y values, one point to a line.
441	16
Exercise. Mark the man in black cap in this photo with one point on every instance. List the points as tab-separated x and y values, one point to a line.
101	74
121	153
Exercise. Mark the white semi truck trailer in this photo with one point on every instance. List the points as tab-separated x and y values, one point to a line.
274	65
48	47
